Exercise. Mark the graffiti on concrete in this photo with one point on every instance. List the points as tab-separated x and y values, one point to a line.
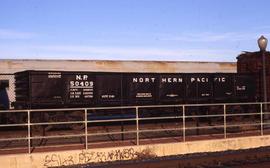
56	160
85	157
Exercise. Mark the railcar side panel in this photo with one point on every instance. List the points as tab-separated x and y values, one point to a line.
244	88
56	89
79	88
171	88
141	88
223	87
109	89
199	88
47	87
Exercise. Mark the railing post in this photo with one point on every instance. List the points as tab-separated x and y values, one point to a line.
29	131
86	128
137	126
184	124
225	121
261	106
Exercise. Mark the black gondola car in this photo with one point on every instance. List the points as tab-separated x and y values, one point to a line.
57	89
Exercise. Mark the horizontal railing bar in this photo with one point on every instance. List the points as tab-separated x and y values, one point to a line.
57	123
205	127
14	148
112	133
221	126
266	113
243	114
201	116
110	120
158	118
12	125
221	115
134	119
266	123
13	111
57	136
160	130
13	139
133	107
210	104
160	106
239	125
221	104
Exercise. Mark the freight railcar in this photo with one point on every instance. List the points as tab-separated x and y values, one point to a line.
68	89
65	89
60	89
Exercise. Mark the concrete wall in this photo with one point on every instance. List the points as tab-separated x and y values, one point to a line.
52	159
11	66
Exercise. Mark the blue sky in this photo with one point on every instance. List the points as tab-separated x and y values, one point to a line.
170	30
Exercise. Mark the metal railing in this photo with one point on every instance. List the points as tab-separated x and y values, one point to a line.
184	117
